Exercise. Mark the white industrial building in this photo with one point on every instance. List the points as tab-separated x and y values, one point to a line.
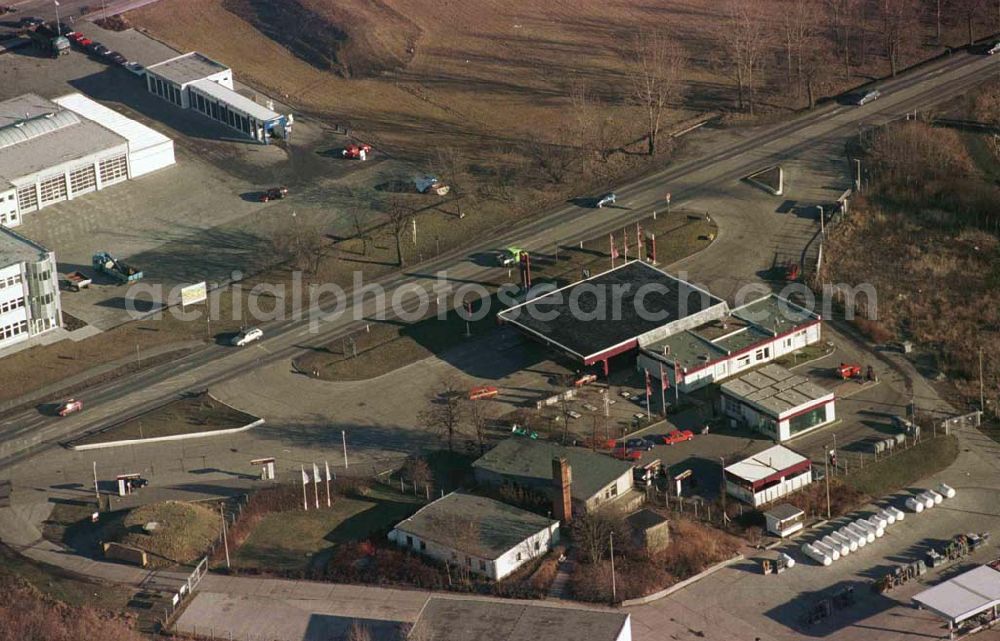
778	403
729	343
29	289
56	150
195	81
767	476
486	537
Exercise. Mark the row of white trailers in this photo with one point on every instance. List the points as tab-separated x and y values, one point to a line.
859	533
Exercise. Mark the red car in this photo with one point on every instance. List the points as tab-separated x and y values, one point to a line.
677	436
84	42
625	454
75	36
274	193
357	152
70	406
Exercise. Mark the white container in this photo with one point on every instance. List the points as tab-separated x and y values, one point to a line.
867	527
863	531
789	561
879	529
827	550
946	490
859	540
937	497
926	499
877	521
840	547
816	555
887	516
849	541
914	504
898	513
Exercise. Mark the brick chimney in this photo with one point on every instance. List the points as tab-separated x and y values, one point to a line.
562	480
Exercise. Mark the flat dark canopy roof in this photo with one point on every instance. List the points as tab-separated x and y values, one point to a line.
598	314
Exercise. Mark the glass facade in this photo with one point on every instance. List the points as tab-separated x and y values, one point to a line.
808	420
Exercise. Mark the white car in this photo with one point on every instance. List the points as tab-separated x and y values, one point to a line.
248	336
606	199
994	49
870	96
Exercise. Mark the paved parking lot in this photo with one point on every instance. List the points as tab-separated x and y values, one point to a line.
198	220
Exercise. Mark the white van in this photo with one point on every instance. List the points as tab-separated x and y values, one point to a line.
247	336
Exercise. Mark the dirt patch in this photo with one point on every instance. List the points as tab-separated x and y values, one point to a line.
192	414
71	323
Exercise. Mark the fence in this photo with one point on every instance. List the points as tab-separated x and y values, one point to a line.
183	594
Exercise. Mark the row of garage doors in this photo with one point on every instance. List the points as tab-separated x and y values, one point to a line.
81	181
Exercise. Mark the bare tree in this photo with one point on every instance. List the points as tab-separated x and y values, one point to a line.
744	39
815	69
481	413
360	230
898	18
798	24
445	412
840	14
656	62
418	471
304	246
970	11
450	163
399	215
592	532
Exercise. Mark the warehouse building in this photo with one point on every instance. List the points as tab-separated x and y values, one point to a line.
777	403
51	151
195	81
29	290
767	476
447	619
672	328
612	313
750	335
487	537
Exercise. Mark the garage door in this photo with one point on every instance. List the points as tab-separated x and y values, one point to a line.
113	170
53	190
83	180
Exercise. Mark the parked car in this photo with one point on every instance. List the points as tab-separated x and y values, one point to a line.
30	21
70	406
6	8
994	49
606	199
248	336
867	97
274	193
639	444
116	58
97	49
84	43
138	483
135	67
509	256
74	36
625	454
677	436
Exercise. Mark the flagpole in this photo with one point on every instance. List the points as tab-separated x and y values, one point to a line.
663	392
316	484
329	503
305	482
58	24
649	411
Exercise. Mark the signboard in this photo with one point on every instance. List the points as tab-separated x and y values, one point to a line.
192	294
683	475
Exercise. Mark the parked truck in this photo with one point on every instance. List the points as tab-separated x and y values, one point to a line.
75	281
49	40
119	270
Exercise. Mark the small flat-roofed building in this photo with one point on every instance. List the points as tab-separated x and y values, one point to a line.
448	619
767	476
596	479
29	290
487	537
721	348
784	520
195	81
963	600
56	150
611	313
778	403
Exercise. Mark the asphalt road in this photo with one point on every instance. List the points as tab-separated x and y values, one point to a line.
719	164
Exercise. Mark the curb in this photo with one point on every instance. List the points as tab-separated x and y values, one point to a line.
159	439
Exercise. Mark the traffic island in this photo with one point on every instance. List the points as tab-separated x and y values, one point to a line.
770	179
193	416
